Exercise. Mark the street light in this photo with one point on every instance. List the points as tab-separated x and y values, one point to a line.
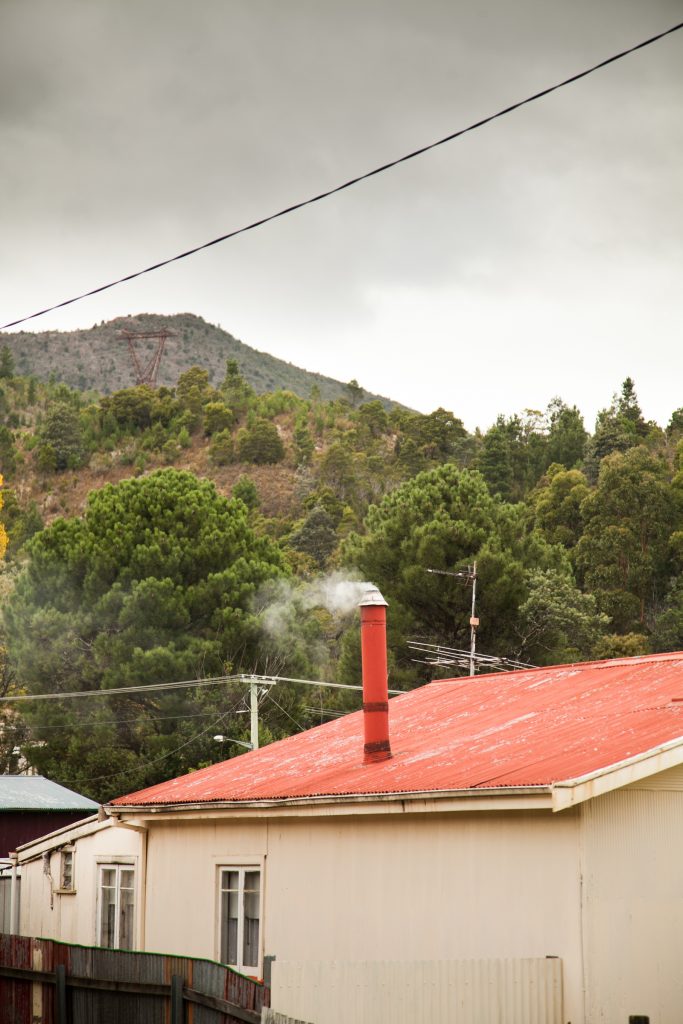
229	739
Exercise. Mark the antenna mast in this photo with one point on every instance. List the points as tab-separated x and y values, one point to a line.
467	576
474	621
439	654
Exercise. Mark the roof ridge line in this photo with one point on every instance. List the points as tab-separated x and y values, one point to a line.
626	659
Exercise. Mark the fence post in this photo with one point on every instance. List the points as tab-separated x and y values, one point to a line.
14	898
60	994
177	1002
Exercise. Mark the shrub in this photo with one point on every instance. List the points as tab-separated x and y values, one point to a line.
221	449
260	444
245	490
62	432
217	416
170	450
46	458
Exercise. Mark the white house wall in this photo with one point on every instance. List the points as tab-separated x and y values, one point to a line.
632	854
71	917
395	888
600	885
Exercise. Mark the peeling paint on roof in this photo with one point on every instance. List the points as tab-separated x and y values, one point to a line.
35	793
533	727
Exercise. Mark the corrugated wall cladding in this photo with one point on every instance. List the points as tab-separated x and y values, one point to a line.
269	1016
632	865
6	902
525	991
670	780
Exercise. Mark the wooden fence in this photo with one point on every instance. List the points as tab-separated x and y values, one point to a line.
56	983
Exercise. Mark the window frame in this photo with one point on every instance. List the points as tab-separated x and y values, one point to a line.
243	865
118	864
64	852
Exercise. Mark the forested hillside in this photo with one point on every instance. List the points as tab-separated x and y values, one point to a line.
98	359
201	529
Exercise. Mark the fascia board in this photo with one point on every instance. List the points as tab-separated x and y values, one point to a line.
569	792
474	800
67	834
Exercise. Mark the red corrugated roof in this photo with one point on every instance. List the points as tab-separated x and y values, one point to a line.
529	728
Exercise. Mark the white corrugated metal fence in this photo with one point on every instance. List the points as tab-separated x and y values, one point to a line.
520	991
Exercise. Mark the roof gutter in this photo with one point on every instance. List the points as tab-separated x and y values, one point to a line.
570	792
491	798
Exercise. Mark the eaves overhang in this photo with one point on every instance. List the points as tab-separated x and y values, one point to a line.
570	792
61	836
428	801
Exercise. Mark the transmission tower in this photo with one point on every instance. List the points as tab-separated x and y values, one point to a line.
146	367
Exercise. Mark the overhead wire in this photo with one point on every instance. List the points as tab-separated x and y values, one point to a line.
87	723
167	754
284	711
332	712
203	732
125	691
353	181
120	691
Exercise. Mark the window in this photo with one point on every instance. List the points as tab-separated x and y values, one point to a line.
66	871
240	916
116	906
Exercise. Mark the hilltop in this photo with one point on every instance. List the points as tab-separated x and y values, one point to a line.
97	359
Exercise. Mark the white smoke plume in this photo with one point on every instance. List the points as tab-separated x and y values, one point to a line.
339	593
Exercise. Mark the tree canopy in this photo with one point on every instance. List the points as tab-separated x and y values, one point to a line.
444	519
153	584
578	541
624	553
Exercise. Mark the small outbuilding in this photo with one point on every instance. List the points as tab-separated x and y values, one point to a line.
31	805
502	848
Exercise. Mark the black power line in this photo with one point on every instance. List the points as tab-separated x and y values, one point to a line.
352	181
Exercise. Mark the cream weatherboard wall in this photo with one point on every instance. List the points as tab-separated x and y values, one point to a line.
393	887
632	865
47	911
599	885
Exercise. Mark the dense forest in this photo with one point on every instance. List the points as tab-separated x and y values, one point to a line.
201	530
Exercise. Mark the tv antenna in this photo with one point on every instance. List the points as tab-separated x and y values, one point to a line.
439	654
146	368
468	577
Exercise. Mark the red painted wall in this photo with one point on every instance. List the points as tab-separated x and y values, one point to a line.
17	827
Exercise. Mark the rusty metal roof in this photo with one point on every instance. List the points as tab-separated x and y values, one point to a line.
529	728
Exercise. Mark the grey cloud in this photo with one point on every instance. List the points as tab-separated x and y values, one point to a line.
134	130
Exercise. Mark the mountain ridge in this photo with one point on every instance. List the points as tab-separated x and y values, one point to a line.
97	358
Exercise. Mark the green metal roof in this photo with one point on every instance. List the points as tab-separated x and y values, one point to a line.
34	793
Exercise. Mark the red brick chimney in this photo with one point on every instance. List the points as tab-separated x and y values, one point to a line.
373	638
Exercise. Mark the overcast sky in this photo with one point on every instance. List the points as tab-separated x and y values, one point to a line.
539	256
